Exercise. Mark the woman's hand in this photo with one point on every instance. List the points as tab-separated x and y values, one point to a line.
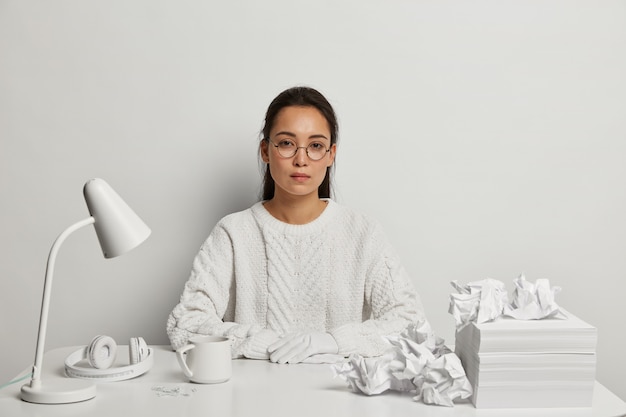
296	347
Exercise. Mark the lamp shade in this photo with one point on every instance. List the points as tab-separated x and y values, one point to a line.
118	227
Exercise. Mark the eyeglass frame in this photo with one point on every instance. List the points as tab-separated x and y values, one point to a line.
295	152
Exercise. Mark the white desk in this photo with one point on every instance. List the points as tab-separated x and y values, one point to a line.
257	388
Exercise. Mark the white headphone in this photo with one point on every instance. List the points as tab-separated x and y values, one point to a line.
100	354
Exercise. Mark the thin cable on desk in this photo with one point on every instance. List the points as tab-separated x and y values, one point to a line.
28	375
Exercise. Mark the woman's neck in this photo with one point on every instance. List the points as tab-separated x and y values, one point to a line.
295	209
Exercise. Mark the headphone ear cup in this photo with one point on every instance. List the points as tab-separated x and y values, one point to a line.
101	352
137	349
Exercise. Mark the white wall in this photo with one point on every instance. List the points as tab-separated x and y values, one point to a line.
488	137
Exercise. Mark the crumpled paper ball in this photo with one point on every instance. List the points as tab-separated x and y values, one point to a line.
417	362
533	301
478	301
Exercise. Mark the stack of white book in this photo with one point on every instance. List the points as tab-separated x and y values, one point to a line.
529	363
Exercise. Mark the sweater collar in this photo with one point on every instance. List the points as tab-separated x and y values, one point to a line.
266	220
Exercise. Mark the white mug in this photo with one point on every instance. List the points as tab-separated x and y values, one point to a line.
206	359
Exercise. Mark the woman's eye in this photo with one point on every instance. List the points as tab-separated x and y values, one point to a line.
316	146
286	144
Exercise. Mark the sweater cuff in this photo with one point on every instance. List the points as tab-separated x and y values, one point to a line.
346	338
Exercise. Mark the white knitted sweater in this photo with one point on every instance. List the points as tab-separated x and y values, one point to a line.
256	278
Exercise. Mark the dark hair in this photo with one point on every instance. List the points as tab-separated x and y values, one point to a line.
299	96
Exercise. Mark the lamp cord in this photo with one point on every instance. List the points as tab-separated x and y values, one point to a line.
28	375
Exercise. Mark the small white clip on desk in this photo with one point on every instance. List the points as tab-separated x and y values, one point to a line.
257	388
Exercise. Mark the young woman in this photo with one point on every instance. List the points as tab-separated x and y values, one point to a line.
297	275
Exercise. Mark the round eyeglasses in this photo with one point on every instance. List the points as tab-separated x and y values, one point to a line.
288	148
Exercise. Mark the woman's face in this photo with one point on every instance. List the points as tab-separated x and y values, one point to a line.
298	175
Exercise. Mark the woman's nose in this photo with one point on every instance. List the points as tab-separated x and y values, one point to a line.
300	158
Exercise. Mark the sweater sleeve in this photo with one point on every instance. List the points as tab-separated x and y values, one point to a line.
208	294
390	299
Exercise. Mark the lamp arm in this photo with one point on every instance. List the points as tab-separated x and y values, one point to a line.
45	303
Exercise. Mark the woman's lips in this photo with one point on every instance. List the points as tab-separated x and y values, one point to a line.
300	177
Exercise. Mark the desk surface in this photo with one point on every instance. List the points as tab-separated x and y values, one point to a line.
257	388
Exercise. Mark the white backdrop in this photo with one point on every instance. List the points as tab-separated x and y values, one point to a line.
488	137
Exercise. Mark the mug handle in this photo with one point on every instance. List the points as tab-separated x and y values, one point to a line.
180	355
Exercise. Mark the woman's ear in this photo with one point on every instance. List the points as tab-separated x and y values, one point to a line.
333	151
263	148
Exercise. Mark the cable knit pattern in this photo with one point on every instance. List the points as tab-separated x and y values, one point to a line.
256	278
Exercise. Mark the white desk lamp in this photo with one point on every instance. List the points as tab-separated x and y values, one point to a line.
119	230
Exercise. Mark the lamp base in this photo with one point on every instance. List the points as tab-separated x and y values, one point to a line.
60	392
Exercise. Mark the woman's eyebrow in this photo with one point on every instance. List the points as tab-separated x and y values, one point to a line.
293	135
318	136
286	133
